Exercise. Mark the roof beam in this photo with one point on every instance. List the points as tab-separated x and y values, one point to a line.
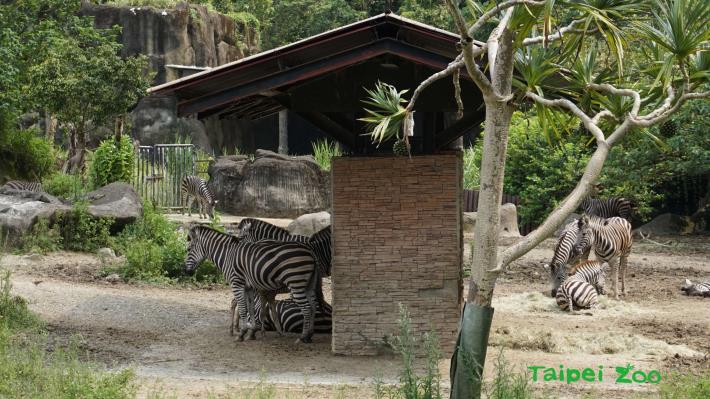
330	127
313	69
470	121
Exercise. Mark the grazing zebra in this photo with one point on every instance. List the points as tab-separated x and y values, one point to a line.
290	316
593	272
576	293
564	254
264	266
697	289
192	188
607	208
24	185
611	240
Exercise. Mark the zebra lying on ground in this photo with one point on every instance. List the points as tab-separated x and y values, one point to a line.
611	241
607	207
564	254
24	185
265	266
195	188
581	289
697	289
290	316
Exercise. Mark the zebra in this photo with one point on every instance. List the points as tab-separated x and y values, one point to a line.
192	188
24	185
593	272
264	266
290	316
575	292
607	208
697	289
611	240
565	254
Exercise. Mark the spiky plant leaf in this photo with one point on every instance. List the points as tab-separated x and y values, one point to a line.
385	121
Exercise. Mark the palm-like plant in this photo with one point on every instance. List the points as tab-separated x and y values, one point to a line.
389	116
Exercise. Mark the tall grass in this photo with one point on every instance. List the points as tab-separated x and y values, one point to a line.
324	151
507	383
472	167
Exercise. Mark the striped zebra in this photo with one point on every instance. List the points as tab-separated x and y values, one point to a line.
576	293
593	272
24	185
611	241
607	208
696	289
192	188
290	316
264	266
565	254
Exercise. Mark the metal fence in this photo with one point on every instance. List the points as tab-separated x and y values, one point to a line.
159	171
470	204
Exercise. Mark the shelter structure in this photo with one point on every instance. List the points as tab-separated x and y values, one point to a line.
397	224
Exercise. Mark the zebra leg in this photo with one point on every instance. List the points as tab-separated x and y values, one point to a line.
305	302
251	298
190	200
232	320
275	316
570	304
243	313
623	262
615	278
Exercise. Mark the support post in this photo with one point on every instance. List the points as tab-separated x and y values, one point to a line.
283	132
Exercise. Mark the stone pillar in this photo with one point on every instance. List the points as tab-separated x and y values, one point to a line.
283	132
397	238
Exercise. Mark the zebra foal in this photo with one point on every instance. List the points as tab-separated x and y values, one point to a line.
565	254
696	289
611	241
24	185
289	316
265	266
575	292
195	188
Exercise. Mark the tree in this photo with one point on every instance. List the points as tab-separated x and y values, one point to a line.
84	80
544	53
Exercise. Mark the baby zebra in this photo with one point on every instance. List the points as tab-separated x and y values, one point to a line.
607	208
24	185
192	188
582	287
697	289
564	254
611	241
290	316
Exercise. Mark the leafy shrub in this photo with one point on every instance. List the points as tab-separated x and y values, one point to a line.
508	384
82	232
42	238
63	185
111	163
13	309
324	151
24	155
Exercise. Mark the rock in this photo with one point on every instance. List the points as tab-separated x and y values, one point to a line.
667	224
113	278
20	210
309	224
106	253
272	185
570	218
118	201
508	221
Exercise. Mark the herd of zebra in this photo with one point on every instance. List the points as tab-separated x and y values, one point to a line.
605	229
262	260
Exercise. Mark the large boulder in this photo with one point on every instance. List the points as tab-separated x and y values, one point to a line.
667	224
118	201
271	185
20	210
508	221
309	224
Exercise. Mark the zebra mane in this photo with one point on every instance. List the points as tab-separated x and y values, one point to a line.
256	222
201	229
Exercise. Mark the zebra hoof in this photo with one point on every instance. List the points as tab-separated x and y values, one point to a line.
306	340
240	338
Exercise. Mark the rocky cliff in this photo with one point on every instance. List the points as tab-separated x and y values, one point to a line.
184	35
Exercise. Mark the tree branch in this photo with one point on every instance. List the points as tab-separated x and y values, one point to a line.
494	38
602	114
568	105
571	28
497	9
620	92
667	109
454	65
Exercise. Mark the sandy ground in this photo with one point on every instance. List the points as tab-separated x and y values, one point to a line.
177	338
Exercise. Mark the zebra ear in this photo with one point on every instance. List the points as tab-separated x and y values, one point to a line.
687	283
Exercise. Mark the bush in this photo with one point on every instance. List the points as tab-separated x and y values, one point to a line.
111	163
324	151
82	232
13	309
42	238
24	155
63	185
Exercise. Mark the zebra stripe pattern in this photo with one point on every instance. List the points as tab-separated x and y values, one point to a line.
575	293
195	188
696	289
593	272
290	316
607	208
24	185
565	254
611	241
264	266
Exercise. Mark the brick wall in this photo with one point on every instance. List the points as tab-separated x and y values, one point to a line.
396	239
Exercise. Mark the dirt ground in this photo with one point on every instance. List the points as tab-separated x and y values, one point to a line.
177	338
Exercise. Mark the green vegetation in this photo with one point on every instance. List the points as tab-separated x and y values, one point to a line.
81	232
112	162
63	185
27	370
507	383
690	386
324	150
23	155
42	238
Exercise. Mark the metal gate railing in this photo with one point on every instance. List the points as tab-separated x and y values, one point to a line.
159	171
